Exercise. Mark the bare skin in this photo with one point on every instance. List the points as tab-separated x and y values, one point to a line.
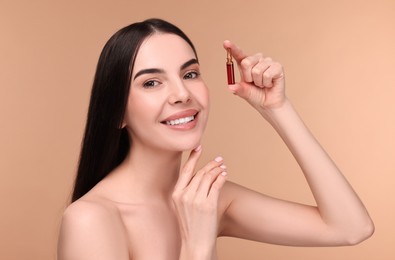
152	207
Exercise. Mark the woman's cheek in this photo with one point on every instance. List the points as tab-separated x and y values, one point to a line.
203	96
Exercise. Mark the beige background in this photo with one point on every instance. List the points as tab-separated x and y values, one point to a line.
339	58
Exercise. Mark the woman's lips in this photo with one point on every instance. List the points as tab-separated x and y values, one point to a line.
181	114
184	120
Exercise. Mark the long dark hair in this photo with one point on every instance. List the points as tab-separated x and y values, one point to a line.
105	144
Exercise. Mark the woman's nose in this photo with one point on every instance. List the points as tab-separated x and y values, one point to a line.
179	93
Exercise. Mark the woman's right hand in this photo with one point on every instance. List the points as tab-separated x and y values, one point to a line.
195	198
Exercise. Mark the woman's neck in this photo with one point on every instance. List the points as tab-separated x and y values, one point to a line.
145	174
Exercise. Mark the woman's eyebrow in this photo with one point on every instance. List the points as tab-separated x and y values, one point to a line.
156	70
148	71
189	63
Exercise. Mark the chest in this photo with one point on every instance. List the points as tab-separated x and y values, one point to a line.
153	233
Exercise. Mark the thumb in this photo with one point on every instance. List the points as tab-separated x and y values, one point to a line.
240	89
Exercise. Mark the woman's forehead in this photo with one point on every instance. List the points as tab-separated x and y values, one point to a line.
163	49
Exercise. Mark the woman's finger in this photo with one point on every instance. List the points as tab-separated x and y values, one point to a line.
197	179
217	186
207	181
237	53
188	170
272	73
247	65
258	72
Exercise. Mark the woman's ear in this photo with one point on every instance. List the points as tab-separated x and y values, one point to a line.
122	125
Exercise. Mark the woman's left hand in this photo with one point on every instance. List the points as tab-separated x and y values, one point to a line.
262	81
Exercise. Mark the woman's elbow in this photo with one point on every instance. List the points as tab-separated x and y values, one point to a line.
360	234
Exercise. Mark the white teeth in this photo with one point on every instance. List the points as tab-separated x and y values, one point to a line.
180	121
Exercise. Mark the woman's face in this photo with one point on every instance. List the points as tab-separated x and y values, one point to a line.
168	100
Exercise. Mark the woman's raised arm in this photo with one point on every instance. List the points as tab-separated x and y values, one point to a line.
339	218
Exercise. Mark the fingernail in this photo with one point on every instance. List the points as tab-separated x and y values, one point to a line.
218	159
224	173
223	166
197	149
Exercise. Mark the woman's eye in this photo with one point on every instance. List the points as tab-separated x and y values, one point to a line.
191	75
151	84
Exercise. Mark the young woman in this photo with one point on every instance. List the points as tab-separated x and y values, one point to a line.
134	200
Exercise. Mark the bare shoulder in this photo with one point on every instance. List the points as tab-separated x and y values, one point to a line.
92	230
91	214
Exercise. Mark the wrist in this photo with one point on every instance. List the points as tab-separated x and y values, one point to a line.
274	113
192	251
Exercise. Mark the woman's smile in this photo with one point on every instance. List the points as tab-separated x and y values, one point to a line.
184	120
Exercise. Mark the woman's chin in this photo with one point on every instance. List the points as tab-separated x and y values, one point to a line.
188	147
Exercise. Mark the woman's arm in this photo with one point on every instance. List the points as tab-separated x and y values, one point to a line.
338	205
340	218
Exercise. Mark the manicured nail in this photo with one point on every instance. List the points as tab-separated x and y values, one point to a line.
223	166
218	159
197	149
224	173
